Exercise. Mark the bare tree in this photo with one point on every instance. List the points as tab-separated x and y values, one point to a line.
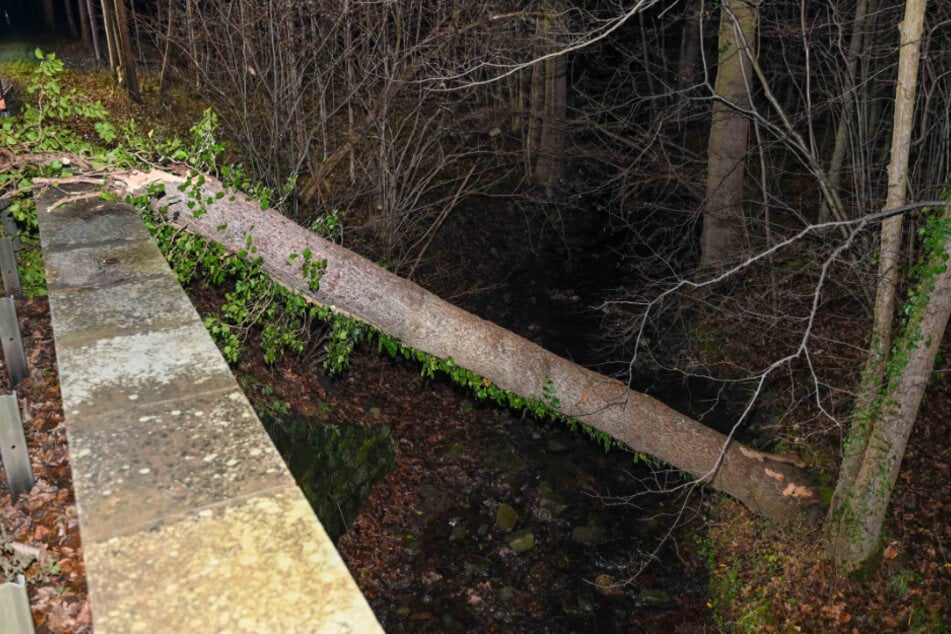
331	97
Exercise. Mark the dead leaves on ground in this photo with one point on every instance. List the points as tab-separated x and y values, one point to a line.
40	536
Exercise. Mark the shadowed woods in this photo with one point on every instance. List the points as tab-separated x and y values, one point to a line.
417	318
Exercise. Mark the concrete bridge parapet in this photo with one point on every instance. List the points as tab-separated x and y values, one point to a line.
190	520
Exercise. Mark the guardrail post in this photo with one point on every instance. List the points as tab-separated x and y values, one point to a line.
16	460
13	352
15	616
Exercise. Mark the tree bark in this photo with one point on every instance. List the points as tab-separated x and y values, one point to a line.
169	32
93	30
127	69
109	27
689	46
49	17
549	164
722	237
848	105
70	18
856	530
861	456
354	286
84	22
535	109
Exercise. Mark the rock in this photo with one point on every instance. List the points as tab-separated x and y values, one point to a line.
587	535
585	602
551	499
521	541
479	568
506	594
459	533
652	596
556	446
506	517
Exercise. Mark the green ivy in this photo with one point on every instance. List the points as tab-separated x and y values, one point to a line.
935	234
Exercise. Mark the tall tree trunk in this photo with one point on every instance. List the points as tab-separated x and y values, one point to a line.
848	105
689	46
851	533
549	164
70	18
535	108
129	78
49	17
83	22
109	27
855	531
723	225
355	286
94	30
169	32
547	104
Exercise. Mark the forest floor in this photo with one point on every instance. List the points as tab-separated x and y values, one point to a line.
429	556
410	547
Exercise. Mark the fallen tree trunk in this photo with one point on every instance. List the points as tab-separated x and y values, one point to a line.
768	485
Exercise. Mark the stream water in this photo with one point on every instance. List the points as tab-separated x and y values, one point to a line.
527	527
523	526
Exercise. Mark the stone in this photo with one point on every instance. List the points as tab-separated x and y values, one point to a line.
459	533
521	541
506	517
652	596
587	535
556	446
551	499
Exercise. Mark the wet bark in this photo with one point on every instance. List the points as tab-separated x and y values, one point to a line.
355	286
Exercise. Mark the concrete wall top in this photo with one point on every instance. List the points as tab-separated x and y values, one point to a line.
190	520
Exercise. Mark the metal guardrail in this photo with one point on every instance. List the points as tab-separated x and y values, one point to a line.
15	617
